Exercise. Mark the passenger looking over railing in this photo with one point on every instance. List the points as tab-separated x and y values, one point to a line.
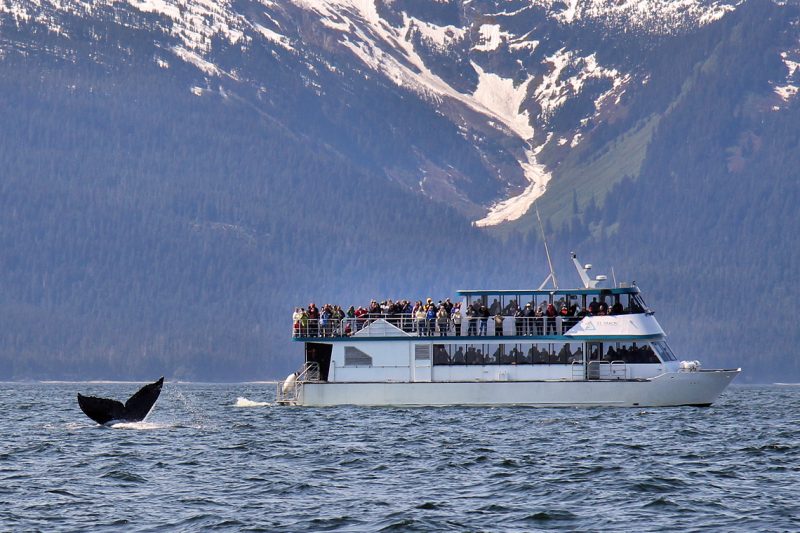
440	356
550	314
538	320
472	322
519	322
430	319
483	313
313	320
456	317
527	320
419	318
498	325
458	357
298	313
442	320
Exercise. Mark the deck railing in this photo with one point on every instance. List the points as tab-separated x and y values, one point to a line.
388	326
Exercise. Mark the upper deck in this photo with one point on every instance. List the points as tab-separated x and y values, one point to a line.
557	314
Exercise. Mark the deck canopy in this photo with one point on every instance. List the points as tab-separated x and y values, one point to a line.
548	292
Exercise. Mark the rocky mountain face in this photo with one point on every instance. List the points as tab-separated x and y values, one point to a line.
177	164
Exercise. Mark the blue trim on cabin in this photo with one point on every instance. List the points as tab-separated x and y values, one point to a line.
479	339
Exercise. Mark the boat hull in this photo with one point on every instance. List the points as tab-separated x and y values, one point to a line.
700	388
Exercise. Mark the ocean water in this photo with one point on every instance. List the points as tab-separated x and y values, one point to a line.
222	457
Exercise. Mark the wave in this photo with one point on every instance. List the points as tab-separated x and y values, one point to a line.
244	402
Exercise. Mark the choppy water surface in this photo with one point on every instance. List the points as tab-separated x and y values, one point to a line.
219	457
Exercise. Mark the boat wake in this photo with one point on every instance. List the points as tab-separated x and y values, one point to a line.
244	402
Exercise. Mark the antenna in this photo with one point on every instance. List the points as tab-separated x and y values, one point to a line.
552	275
613	275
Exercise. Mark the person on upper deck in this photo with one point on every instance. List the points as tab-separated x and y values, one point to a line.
498	325
419	318
527	319
313	319
538	319
472	321
483	313
551	319
442	321
456	317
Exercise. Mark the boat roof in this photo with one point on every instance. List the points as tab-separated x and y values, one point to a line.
545	292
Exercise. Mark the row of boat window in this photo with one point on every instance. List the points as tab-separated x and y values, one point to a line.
545	354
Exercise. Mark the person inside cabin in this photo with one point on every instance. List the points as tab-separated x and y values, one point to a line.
442	321
498	325
532	355
471	356
440	356
565	353
458	357
594	307
648	355
577	357
617	308
602	308
611	354
479	358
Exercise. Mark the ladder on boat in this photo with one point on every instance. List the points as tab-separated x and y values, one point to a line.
289	391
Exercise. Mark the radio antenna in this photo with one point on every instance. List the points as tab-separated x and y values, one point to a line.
552	275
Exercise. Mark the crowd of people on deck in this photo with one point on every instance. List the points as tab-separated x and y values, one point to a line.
446	318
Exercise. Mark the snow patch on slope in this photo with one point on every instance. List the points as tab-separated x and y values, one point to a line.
490	38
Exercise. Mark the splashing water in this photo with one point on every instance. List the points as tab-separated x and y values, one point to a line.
244	402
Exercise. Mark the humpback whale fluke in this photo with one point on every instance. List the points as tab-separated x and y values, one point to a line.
103	410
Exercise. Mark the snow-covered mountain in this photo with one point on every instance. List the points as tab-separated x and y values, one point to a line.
521	83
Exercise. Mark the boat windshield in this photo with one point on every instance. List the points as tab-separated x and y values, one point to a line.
663	350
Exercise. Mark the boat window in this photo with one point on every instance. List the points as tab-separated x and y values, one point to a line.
630	353
355	357
664	352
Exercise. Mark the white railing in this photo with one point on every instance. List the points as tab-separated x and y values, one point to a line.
387	326
607	370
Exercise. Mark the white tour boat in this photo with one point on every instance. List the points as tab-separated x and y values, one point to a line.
616	356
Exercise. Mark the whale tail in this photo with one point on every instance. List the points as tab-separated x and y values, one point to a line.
103	410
